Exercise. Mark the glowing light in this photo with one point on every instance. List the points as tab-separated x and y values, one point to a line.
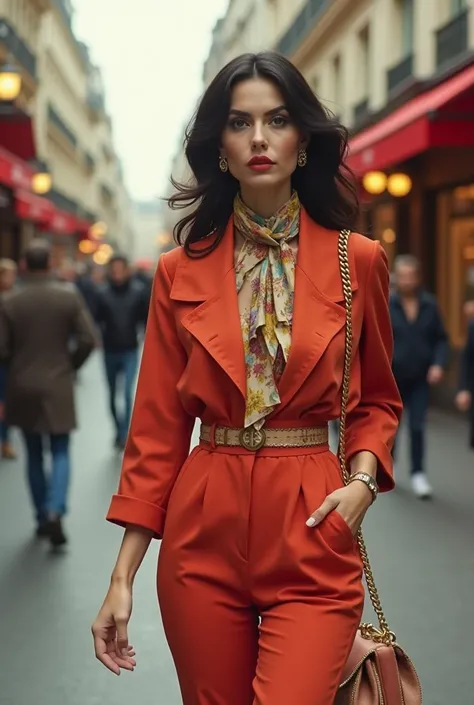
389	236
98	230
87	247
41	183
10	83
103	254
399	185
375	182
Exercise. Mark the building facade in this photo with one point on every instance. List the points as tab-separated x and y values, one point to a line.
151	237
70	134
400	75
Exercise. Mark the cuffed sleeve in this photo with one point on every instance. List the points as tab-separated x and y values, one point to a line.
160	431
373	423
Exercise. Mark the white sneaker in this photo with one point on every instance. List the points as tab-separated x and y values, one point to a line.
420	485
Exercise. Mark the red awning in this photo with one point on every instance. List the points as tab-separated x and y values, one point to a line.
440	117
14	172
61	223
16	135
83	226
31	207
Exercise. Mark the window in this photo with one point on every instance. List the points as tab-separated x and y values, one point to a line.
407	27
364	61
337	83
457	6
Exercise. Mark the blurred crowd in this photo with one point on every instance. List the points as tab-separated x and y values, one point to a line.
50	322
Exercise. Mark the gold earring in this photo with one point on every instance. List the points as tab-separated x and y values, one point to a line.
302	157
223	164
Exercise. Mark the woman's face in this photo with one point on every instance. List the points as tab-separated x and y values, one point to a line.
260	141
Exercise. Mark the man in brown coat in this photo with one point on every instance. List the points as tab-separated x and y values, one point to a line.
46	334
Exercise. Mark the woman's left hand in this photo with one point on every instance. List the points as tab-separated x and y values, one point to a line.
351	501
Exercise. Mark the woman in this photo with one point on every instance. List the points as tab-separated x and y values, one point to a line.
259	578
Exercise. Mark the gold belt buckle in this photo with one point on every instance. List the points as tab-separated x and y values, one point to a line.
252	438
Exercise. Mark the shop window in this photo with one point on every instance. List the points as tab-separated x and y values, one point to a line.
456	258
384	229
463	200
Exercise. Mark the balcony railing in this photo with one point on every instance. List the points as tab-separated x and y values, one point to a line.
452	39
303	23
361	111
17	47
400	73
58	122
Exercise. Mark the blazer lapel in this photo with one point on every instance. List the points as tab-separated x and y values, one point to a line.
318	314
215	321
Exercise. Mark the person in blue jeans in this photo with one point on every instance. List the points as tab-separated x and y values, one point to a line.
420	356
46	334
121	312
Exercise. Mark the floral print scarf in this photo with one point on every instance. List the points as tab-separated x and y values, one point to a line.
265	277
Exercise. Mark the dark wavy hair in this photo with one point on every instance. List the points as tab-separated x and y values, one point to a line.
325	186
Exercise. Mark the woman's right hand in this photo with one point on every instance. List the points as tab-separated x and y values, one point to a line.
110	630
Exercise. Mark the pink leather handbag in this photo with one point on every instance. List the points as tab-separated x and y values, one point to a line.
378	671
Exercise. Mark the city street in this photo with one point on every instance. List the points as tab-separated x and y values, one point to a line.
422	553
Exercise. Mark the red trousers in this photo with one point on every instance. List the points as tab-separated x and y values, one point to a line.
258	609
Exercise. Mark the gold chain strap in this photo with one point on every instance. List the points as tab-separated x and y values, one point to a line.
383	634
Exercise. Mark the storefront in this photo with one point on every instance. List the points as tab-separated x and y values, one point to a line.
418	165
24	215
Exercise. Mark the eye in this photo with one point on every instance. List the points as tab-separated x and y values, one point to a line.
237	123
280	121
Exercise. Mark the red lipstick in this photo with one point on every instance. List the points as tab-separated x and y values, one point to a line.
260	163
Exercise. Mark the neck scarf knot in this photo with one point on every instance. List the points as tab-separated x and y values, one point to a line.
265	276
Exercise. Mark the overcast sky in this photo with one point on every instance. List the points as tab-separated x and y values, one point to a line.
151	53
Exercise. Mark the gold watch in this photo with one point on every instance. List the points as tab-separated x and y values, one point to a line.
368	480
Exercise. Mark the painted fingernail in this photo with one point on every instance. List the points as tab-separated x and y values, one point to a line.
311	521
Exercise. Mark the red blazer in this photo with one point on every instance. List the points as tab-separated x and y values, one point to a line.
193	363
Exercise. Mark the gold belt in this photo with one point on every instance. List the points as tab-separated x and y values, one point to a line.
253	439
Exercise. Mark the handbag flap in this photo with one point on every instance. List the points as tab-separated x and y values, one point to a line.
361	649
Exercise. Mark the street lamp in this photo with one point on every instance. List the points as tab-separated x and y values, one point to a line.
103	254
87	247
10	83
98	230
375	182
399	185
42	181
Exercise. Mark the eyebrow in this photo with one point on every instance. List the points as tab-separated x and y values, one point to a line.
273	111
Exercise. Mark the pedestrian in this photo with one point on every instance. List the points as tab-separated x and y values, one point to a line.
121	310
465	394
8	277
256	523
421	351
37	323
